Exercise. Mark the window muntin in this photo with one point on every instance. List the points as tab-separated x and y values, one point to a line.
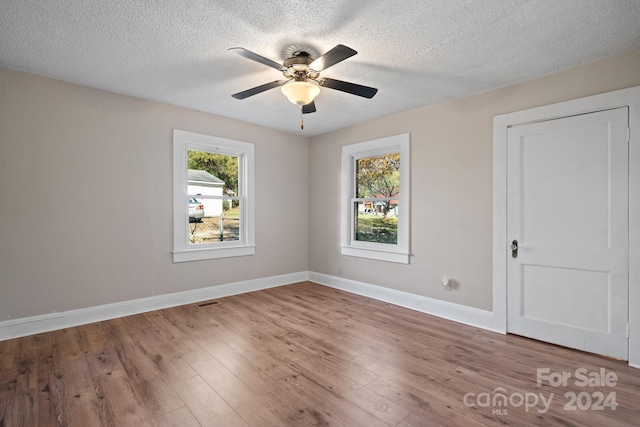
375	188
213	197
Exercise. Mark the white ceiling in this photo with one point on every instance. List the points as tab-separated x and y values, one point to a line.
416	52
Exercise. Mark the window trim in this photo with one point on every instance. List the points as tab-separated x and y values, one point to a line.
183	141
400	252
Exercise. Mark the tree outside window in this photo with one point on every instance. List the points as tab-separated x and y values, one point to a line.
376	201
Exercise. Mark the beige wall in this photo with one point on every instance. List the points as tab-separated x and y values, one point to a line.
86	202
451	193
86	198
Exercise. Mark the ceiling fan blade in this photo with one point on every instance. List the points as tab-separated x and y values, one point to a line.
258	89
309	108
255	57
352	88
335	55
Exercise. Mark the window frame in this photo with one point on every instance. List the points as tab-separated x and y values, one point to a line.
399	252
183	250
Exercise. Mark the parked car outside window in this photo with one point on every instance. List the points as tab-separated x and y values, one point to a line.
196	210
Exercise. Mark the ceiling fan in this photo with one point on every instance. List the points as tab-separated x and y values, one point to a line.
302	73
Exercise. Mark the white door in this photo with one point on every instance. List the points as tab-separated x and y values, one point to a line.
567	211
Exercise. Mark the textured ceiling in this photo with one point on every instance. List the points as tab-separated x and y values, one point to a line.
416	52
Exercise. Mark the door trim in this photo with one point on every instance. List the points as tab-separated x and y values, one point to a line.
621	98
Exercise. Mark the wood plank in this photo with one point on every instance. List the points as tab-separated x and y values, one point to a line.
304	401
246	402
297	355
258	371
122	404
181	417
206	405
349	380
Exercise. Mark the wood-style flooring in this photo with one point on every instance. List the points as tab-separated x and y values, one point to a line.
302	355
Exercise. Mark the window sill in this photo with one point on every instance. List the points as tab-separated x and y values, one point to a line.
397	257
212	253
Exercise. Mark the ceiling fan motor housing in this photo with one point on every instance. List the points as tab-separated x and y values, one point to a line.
298	60
298	67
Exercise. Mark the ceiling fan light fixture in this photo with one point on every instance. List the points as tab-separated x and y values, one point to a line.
301	92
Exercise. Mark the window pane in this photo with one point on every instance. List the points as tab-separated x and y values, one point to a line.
212	220
378	176
376	221
212	174
223	227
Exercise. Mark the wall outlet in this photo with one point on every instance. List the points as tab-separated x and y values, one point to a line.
340	270
445	283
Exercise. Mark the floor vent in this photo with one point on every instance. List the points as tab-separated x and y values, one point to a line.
207	304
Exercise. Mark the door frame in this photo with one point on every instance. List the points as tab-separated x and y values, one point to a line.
630	98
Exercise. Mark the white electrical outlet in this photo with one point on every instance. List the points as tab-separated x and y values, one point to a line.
340	271
445	283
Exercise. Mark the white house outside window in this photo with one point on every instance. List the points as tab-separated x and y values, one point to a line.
213	197
375	199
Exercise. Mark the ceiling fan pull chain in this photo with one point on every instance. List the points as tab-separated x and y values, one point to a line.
301	119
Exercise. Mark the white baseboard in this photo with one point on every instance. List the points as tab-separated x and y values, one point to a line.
49	322
447	310
16	328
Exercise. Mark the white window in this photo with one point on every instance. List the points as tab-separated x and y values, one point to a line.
213	211
376	198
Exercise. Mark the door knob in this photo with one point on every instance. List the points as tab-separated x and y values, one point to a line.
514	249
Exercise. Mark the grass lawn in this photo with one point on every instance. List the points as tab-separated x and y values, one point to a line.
208	230
232	213
374	228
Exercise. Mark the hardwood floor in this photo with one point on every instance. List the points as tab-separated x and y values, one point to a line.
302	355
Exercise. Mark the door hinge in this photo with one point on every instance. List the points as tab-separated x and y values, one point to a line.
627	330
